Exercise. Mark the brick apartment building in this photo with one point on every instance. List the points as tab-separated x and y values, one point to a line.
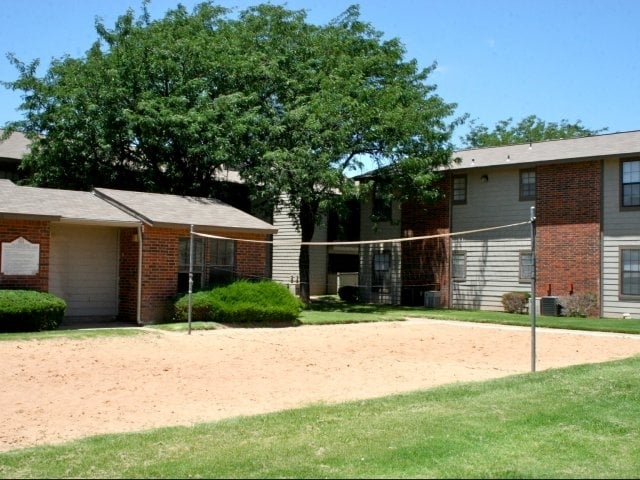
586	194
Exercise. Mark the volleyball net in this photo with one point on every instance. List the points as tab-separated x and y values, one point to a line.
385	270
479	264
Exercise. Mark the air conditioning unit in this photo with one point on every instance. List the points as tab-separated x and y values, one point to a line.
432	299
549	306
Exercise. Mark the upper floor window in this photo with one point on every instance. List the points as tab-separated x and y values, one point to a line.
459	189
528	184
630	179
381	209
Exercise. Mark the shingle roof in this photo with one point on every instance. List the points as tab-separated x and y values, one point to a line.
15	147
173	210
571	149
59	205
597	146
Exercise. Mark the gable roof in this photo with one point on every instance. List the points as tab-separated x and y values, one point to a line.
572	149
174	210
59	205
14	147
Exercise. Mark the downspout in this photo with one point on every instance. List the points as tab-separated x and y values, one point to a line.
139	293
602	225
449	254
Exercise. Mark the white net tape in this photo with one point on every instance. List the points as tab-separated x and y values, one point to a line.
364	242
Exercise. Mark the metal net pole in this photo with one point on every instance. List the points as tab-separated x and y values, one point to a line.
190	276
533	289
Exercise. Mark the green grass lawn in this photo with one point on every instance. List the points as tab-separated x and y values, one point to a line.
329	310
79	334
576	422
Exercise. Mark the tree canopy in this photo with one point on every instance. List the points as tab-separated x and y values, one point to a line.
163	105
529	129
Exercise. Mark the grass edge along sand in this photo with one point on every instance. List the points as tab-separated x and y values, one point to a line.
575	422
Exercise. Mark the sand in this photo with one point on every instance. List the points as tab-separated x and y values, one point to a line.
57	390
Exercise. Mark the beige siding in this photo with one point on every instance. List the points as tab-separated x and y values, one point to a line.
84	269
286	254
318	262
381	230
620	229
286	250
492	257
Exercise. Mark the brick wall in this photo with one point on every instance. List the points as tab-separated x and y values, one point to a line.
252	259
128	271
161	263
159	272
34	232
568	216
425	262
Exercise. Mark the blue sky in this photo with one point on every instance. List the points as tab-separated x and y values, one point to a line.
557	59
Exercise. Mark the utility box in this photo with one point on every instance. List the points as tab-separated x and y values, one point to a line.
549	306
432	299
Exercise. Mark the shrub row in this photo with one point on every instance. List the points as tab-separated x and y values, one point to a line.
576	305
30	311
241	302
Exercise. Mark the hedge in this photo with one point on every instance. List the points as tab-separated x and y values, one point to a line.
30	311
241	302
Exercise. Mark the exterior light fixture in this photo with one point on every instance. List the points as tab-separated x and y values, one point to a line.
508	158
484	178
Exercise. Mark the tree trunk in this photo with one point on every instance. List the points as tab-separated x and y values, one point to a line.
308	212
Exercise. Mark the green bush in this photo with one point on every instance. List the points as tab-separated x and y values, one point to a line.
516	302
30	311
241	302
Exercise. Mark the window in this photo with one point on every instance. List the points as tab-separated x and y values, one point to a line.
183	264
221	261
381	269
213	263
630	272
528	184
526	267
381	277
630	178
381	209
459	266
459	189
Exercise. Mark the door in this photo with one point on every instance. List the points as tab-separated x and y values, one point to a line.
83	269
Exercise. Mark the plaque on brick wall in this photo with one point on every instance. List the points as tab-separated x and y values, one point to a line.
20	257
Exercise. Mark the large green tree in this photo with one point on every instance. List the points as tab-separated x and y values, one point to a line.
148	107
334	95
294	107
529	129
